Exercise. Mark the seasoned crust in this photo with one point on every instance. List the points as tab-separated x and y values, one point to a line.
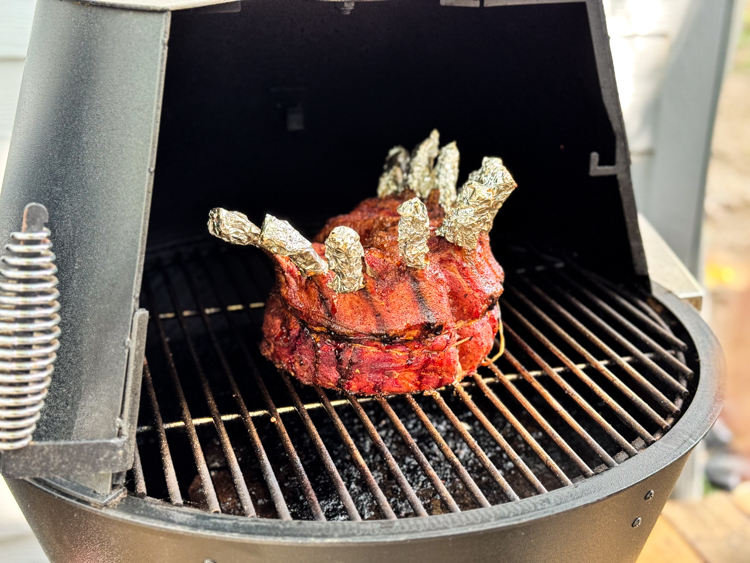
407	330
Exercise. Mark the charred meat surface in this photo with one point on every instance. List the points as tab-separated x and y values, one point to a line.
397	296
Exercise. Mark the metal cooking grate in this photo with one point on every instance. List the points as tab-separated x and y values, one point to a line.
590	377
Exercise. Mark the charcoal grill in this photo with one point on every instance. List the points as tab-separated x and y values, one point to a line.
172	438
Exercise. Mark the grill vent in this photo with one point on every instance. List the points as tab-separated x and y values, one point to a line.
590	377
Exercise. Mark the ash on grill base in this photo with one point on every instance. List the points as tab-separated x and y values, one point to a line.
581	389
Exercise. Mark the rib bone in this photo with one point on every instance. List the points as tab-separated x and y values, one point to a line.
421	176
233	227
275	236
279	237
344	253
492	173
446	174
413	232
394	170
478	203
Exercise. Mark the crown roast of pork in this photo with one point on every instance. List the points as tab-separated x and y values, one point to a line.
397	296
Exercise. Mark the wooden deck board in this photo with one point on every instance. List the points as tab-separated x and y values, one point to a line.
666	544
715	529
741	498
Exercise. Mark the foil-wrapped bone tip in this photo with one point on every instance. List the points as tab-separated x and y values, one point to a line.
394	171
413	232
279	237
494	174
420	172
446	174
344	253
421	176
233	227
275	236
477	203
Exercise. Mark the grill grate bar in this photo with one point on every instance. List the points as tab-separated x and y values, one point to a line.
388	457
203	421
381	466
634	330
475	447
212	310
140	481
502	442
266	469
521	429
200	460
286	441
558	408
625	343
419	456
614	434
234	467
445	449
325	456
173	486
551	432
599	343
653	325
610	402
207	420
601	366
643	306
356	456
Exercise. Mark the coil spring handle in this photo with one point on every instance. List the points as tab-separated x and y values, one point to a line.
29	328
35	215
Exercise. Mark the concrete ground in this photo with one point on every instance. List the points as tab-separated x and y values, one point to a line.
17	543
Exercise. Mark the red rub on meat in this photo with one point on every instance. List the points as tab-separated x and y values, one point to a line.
407	330
400	295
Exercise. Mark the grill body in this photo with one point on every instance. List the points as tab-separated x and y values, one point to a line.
607	517
136	531
530	81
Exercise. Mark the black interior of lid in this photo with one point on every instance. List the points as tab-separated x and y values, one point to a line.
289	108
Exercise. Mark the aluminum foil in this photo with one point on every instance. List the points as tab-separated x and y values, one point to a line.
344	253
468	218
494	174
478	203
413	232
275	236
233	227
394	171
279	237
421	176
446	174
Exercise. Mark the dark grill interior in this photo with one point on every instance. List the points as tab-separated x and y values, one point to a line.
591	376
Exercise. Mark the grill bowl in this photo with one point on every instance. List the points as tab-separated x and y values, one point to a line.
607	515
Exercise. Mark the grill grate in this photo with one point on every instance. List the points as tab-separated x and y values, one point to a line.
591	376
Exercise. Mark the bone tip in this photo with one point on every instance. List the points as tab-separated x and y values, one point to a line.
215	220
344	253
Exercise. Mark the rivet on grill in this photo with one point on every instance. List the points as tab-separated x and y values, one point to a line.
649	495
636	522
